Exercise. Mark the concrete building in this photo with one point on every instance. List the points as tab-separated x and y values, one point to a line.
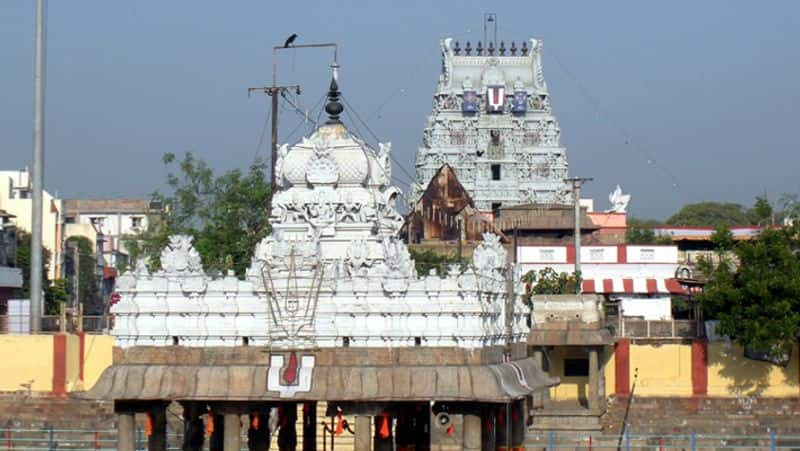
16	199
641	278
110	220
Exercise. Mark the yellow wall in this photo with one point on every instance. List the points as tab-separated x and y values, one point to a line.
664	370
73	361
731	374
608	371
97	357
570	388
25	358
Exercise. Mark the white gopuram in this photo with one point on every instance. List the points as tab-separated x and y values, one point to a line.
332	273
493	124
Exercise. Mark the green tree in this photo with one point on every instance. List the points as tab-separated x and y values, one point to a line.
548	281
227	215
754	290
711	214
762	213
23	262
425	260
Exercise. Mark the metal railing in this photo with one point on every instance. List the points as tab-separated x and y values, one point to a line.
641	328
553	440
19	324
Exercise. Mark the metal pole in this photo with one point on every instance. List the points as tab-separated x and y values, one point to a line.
273	180
577	182
38	170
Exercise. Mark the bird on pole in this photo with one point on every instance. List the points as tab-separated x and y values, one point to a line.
290	40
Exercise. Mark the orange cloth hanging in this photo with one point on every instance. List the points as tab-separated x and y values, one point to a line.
384	429
254	421
148	424
210	424
340	425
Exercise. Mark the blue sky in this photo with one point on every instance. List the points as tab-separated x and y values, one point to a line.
676	101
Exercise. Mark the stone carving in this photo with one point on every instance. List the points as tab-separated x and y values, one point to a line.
490	260
322	169
619	201
398	266
180	257
357	256
279	162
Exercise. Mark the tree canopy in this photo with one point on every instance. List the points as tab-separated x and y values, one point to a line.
754	290
227	214
711	214
53	293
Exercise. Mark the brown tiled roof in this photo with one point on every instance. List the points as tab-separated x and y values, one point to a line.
129	205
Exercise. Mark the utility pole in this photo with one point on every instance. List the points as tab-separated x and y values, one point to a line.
577	182
274	91
38	172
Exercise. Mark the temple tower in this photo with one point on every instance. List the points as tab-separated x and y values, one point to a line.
492	123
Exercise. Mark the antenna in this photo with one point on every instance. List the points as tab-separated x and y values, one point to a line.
490	20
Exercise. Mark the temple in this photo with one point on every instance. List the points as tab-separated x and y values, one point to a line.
330	311
493	125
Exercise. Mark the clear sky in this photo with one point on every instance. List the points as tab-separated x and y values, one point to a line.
677	101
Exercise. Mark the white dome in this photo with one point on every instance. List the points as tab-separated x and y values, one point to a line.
330	155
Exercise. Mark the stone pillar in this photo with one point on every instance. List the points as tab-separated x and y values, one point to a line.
488	436
518	425
233	430
193	427
363	434
217	440
287	434
126	431
502	431
258	431
310	426
472	432
422	427
405	433
538	356
157	441
594	380
384	437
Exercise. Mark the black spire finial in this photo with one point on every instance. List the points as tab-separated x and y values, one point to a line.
333	107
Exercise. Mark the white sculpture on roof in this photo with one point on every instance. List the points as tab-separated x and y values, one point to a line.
619	201
332	270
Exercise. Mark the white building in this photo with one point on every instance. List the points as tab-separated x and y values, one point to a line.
112	219
641	277
16	199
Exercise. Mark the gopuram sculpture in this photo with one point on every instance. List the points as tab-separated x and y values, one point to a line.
332	311
492	123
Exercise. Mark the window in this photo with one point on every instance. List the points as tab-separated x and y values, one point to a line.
495	135
531	139
496	209
136	221
457	138
495	172
576	367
